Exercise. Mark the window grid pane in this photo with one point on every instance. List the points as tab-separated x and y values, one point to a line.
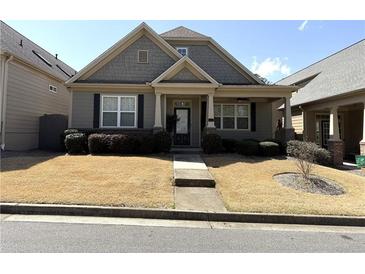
127	104
110	119
228	110
242	123
228	122
242	111
110	103
127	119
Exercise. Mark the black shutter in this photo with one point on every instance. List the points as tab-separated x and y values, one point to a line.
96	110
140	110
253	116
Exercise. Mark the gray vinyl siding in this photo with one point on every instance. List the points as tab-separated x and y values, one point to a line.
83	109
124	68
28	98
149	110
263	126
185	75
215	65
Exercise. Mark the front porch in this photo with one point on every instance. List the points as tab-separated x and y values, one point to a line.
337	126
188	111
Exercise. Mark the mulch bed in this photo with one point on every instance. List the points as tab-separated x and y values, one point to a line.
316	184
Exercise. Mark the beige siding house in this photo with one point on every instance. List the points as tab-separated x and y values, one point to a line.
329	106
32	84
146	80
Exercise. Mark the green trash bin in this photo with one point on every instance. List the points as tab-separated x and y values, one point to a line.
360	160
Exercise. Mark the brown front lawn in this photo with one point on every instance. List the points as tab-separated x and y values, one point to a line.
132	181
246	184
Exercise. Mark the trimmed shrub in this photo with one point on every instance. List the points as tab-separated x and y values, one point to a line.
70	131
322	156
99	143
76	143
248	147
162	141
124	144
212	143
229	145
146	145
269	148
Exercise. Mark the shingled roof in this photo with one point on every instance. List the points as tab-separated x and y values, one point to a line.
14	43
337	74
182	32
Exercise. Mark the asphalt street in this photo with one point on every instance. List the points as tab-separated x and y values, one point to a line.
69	234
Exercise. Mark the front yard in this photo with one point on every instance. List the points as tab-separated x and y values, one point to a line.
132	181
246	184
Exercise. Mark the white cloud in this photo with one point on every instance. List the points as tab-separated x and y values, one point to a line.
303	25
270	66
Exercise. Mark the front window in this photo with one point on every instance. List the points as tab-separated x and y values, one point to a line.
119	111
231	116
182	50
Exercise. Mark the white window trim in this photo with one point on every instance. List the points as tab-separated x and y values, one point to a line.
186	48
119	111
235	116
138	61
51	88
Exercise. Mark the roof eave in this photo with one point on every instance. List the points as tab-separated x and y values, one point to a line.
126	38
32	65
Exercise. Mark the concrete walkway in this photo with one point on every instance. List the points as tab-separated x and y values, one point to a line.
191	171
194	185
198	199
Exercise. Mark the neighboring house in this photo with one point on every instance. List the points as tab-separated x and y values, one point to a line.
329	106
31	85
145	80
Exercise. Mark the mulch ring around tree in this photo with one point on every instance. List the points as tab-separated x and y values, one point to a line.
316	184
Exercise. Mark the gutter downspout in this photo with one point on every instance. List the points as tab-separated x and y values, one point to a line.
4	101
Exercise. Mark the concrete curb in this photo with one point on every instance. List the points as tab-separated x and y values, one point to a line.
148	213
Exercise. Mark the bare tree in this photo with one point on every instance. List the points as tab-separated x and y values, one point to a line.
305	156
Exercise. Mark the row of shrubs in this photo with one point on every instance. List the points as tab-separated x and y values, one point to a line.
213	143
100	143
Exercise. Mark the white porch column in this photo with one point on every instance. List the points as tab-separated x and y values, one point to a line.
334	130
362	142
363	124
158	123
210	111
288	121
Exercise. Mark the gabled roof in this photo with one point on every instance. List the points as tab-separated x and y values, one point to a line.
16	44
182	32
337	74
185	62
118	47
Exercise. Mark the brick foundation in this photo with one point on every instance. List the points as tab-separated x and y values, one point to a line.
336	147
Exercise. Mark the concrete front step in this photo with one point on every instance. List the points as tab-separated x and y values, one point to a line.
193	178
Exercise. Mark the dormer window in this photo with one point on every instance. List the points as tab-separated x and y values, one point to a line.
143	56
182	50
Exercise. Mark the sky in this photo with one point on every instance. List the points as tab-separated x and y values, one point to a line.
273	49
